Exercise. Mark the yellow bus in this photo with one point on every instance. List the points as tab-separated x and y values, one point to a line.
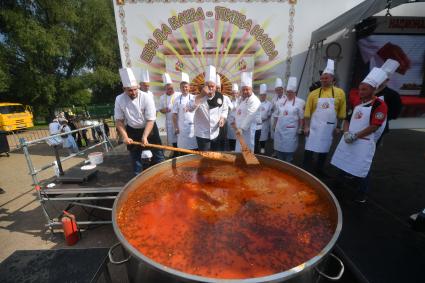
15	116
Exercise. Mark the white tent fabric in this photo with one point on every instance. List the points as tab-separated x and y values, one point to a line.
354	16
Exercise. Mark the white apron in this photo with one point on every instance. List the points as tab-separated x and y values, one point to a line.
186	137
378	133
230	119
248	135
171	134
265	111
322	124
356	158
274	102
286	132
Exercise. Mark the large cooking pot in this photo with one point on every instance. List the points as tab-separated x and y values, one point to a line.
143	269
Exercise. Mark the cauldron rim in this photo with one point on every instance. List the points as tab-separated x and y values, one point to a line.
276	277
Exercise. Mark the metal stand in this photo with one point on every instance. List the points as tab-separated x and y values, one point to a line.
74	196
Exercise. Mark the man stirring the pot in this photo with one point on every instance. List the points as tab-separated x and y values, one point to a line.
135	115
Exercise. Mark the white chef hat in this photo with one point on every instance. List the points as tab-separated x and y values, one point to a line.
246	79
278	83
166	79
330	67
390	66
375	77
185	78
218	80
146	154
235	87
292	84
263	89
210	74
127	77
144	76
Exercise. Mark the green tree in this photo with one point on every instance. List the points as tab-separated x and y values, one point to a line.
58	53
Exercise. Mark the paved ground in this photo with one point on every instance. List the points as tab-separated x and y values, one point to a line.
21	219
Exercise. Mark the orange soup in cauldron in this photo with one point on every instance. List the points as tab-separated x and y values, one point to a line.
227	221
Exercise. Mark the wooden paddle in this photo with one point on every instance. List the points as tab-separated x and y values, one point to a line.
226	157
248	156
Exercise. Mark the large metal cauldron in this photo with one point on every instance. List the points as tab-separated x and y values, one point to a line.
142	269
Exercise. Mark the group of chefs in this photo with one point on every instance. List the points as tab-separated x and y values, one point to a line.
212	121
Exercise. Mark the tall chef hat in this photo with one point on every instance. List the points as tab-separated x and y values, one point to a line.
166	79
390	66
292	84
235	87
246	79
375	78
146	154
330	67
218	80
210	74
127	78
278	83
263	89
144	76
185	78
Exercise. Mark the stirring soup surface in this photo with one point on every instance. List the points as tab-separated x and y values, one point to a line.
219	220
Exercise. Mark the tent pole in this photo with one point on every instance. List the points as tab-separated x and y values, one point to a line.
305	63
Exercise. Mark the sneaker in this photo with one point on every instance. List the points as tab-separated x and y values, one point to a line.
360	198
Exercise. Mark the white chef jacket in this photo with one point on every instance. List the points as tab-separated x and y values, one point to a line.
206	118
186	137
248	118
135	112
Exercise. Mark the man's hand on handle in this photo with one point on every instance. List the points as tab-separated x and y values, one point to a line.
128	141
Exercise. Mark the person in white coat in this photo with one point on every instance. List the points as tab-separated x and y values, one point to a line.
210	113
290	122
166	103
222	135
183	118
246	112
279	93
157	154
355	151
265	114
67	138
324	111
54	129
134	115
234	101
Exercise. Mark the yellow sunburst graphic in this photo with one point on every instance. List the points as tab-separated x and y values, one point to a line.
199	81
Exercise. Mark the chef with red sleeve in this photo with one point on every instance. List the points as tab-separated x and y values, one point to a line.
356	149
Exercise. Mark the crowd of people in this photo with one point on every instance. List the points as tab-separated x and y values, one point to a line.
210	120
66	125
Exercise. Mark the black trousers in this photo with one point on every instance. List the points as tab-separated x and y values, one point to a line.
153	138
207	144
257	141
222	136
308	161
232	145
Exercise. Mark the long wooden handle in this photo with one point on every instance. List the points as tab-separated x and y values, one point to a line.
248	155
207	154
241	140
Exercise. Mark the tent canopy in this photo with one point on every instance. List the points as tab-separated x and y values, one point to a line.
354	16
